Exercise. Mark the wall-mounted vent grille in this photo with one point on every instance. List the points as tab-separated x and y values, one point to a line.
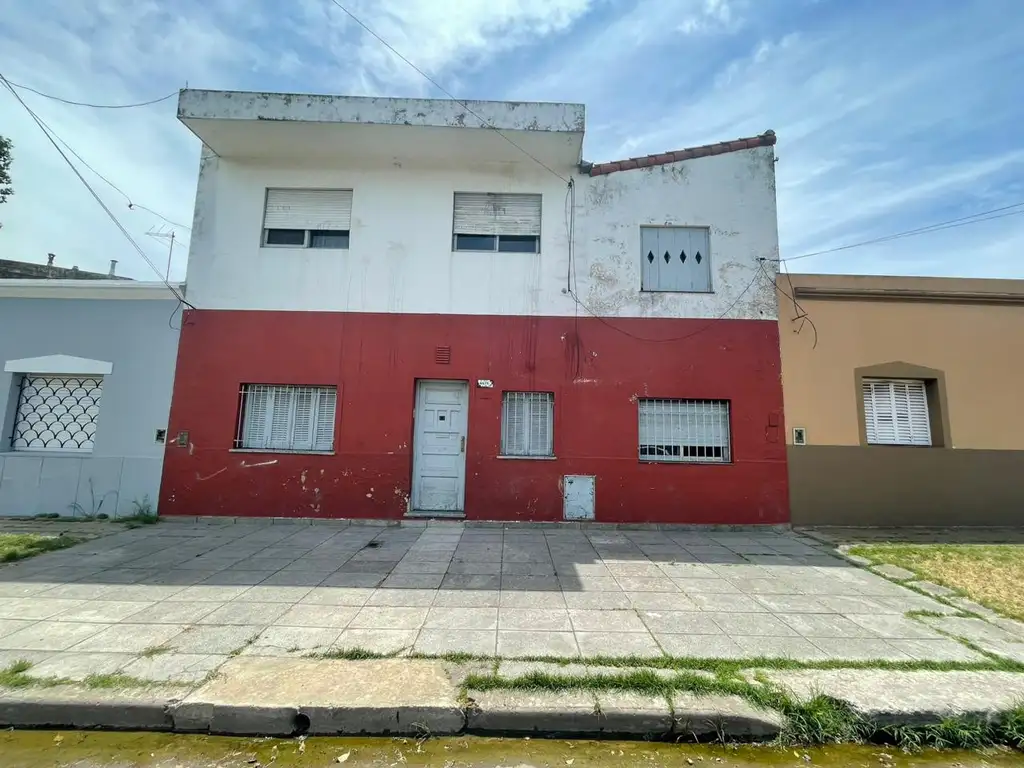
442	355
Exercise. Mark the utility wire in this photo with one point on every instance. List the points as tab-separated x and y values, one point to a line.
803	315
131	204
963	221
87	104
46	131
446	92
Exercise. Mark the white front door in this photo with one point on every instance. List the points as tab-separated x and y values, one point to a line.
439	446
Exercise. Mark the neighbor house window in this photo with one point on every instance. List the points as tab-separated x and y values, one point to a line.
896	412
527	424
57	413
675	259
496	222
307	218
684	430
286	418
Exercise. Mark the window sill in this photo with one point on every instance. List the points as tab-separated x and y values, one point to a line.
280	450
687	463
505	253
528	458
47	454
301	247
696	293
899	445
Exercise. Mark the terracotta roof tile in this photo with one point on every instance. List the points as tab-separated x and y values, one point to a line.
766	139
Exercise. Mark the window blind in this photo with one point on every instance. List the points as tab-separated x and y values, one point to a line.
896	412
485	213
527	427
308	209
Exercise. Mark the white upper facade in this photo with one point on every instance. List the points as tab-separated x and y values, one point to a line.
315	203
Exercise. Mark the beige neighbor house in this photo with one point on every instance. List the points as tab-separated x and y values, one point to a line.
904	401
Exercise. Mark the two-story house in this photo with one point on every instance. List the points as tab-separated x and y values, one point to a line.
425	307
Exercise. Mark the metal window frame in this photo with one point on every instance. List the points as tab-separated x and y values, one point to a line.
528	400
497	243
247	391
306	240
715	414
19	417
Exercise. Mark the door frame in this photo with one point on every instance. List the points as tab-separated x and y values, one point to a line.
417	385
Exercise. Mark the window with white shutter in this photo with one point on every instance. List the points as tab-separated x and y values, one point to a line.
485	221
527	424
684	430
896	412
286	418
307	218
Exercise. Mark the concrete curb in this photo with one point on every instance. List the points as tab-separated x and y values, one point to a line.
461	523
289	697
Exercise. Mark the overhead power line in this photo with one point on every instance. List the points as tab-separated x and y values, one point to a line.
47	132
132	205
446	92
87	104
963	221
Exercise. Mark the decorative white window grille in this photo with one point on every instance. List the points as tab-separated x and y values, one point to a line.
485	221
896	412
684	430
57	413
286	418
527	424
307	218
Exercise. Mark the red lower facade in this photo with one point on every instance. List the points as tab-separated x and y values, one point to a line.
597	371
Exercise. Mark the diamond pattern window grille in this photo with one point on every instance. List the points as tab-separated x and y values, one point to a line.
57	413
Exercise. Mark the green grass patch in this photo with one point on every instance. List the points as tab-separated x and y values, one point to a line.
989	574
118	682
18	546
15	675
819	720
732	667
353	654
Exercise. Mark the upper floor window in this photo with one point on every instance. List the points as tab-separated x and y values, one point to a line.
57	413
675	259
286	418
896	412
485	221
307	218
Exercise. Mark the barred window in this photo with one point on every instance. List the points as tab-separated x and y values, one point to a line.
527	423
684	430
286	418
57	413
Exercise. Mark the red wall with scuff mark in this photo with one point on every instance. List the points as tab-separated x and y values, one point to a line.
595	371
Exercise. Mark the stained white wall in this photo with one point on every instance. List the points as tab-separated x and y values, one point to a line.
400	257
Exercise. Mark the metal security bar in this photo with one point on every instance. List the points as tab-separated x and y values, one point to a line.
57	413
286	418
684	430
527	423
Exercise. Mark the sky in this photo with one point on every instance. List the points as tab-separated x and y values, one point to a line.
890	116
